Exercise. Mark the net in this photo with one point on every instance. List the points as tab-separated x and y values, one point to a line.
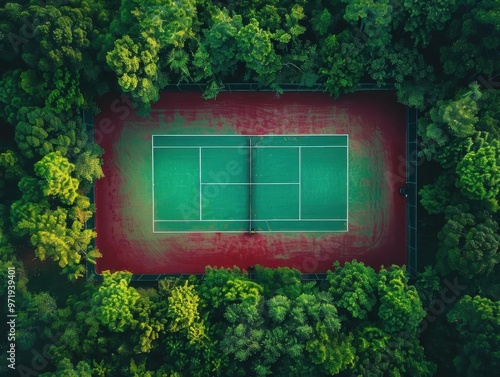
250	229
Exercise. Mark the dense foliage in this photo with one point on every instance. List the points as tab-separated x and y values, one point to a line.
442	57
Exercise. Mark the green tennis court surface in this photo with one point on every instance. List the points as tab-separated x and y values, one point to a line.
233	183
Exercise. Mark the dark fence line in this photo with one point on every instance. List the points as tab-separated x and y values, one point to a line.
92	274
253	87
88	121
411	189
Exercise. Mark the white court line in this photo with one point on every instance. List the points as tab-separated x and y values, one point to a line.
250	181
153	181
245	220
260	136
246	147
347	183
237	135
300	182
259	231
200	183
174	147
247	183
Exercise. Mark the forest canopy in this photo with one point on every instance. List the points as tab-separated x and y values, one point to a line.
57	57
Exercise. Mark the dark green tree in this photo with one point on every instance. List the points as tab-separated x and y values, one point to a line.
477	320
13	96
469	243
11	170
281	281
471	40
65	368
424	19
448	126
41	131
436	197
215	58
342	63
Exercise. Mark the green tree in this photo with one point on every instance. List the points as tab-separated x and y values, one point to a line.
375	18
52	214
469	243
36	313
379	353
322	21
223	287
436	197
244	332
285	335
60	56
81	210
12	32
471	40
479	174
140	369
78	334
215	58
371	344
151	318
427	285
190	337
41	131
489	108
88	168
49	233
62	33
114	301
281	281
418	93
135	62
12	164
172	23
256	50
353	288
8	259
66	94
342	63
65	368
477	320
328	347
56	179
183	312
424	19
398	63
12	96
43	306
448	126
400	308
11	170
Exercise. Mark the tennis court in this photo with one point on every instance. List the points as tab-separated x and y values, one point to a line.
321	178
240	183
